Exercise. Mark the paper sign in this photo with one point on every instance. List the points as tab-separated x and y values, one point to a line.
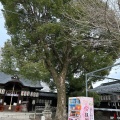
80	108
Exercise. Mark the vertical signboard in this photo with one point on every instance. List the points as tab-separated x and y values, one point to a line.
80	108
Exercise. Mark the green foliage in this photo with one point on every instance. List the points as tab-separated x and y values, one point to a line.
96	98
34	71
8	61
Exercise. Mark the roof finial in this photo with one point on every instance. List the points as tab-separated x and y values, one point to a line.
15	77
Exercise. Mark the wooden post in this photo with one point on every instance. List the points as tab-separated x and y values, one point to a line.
9	108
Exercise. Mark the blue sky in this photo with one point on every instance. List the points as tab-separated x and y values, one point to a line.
3	32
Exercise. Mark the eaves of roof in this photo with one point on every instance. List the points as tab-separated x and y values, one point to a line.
5	78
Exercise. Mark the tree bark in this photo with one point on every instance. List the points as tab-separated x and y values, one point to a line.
61	99
59	79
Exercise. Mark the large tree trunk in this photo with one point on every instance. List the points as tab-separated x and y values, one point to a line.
59	79
61	99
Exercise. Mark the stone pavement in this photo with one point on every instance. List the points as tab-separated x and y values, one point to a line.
7	118
15	115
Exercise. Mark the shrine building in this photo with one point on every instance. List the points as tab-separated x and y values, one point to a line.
109	96
109	93
17	94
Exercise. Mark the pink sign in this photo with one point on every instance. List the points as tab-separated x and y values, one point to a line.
80	108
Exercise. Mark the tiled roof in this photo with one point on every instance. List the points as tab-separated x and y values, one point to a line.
110	88
4	78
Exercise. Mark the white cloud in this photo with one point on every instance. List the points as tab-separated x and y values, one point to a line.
114	73
45	87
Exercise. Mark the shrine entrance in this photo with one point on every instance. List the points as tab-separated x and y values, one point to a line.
7	100
12	94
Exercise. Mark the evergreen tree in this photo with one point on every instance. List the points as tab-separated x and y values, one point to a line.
51	39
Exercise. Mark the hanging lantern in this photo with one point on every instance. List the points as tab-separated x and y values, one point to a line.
34	94
28	93
2	91
22	93
31	94
118	104
37	94
109	97
25	93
